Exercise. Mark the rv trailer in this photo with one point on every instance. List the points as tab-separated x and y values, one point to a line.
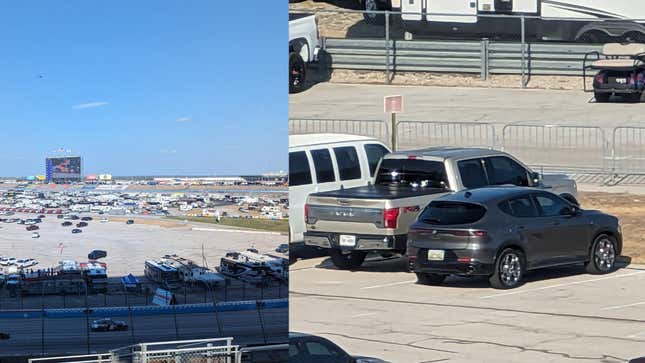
590	21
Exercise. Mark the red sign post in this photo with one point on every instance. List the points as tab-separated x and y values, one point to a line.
393	105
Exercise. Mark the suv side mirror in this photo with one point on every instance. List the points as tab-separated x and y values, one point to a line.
535	178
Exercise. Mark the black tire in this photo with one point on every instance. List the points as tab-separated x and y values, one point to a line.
297	73
602	260
430	279
506	276
347	261
373	5
602	97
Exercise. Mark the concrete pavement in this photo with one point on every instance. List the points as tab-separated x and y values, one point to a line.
559	315
493	105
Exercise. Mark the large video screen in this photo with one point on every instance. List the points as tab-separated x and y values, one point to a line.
67	168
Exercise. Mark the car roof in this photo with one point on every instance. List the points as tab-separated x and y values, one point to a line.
318	139
447	152
488	194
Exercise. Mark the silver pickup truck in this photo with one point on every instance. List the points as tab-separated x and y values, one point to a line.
376	218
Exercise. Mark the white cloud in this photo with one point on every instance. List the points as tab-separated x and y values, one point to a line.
89	105
184	119
168	151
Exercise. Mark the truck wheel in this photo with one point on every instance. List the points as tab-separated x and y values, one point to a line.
372	18
602	97
509	270
430	279
297	73
347	261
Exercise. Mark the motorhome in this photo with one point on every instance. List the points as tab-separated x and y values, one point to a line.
592	21
190	272
162	273
253	267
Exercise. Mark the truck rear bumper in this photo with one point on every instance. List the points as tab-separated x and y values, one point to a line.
363	242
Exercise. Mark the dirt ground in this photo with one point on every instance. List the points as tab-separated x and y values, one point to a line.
630	209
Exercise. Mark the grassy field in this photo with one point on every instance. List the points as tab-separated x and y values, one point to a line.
259	224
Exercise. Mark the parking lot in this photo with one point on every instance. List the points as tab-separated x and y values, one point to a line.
559	315
128	246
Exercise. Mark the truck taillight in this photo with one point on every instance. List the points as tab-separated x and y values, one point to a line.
390	217
307	213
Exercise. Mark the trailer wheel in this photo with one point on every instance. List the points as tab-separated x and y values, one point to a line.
602	97
297	73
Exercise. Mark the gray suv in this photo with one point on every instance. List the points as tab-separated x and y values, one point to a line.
502	232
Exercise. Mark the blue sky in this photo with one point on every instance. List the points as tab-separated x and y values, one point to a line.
144	87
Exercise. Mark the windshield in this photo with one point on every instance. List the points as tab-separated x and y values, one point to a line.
415	173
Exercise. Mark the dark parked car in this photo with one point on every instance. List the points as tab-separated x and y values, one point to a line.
306	348
66	224
81	224
60	216
41	216
283	248
108	324
276	353
33	228
130	221
502	232
96	254
76	230
86	218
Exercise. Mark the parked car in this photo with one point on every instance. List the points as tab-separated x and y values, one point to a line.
283	248
32	228
274	353
26	262
76	230
35	235
108	324
66	224
96	254
503	232
42	216
307	348
130	221
81	224
60	216
86	218
104	220
324	162
351	222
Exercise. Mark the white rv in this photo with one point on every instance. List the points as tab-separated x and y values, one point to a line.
596	21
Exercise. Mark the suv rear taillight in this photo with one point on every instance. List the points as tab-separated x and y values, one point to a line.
307	213
390	217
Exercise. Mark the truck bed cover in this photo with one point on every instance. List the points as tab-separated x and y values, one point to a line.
379	192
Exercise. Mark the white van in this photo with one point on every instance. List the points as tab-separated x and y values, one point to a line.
323	162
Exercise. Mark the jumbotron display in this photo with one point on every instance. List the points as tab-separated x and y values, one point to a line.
63	169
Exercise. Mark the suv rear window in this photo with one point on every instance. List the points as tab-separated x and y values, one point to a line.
348	165
374	154
416	173
447	213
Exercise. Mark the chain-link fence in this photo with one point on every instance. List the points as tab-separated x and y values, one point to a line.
79	331
117	295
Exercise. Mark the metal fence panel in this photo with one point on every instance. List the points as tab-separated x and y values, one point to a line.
372	128
629	150
423	134
561	148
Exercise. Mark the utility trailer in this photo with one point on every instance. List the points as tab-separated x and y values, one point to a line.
589	21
